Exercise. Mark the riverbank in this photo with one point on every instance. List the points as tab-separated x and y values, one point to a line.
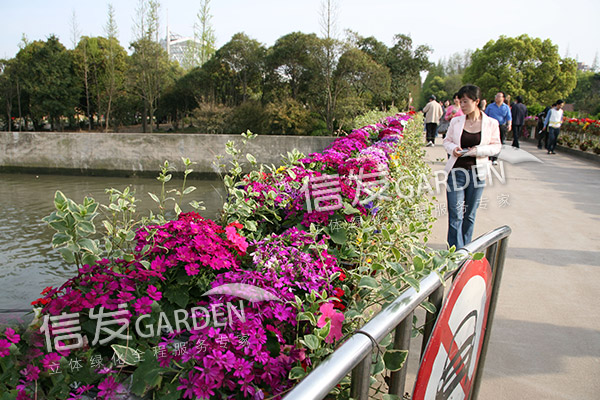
136	154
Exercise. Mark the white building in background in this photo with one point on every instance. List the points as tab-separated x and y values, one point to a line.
181	49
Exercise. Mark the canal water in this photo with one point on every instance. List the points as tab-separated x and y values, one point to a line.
27	261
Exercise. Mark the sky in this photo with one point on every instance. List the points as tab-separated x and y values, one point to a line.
447	27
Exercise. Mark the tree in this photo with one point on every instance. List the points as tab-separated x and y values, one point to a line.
204	33
149	61
46	71
405	66
243	58
291	64
586	96
116	62
524	66
331	52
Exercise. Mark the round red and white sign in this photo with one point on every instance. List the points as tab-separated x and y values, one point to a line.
451	356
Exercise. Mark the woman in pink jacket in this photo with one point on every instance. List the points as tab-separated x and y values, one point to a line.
470	139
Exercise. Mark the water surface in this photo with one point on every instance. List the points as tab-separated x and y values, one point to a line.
27	261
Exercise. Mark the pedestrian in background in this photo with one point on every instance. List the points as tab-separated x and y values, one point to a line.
541	130
433	113
552	123
471	138
501	113
518	113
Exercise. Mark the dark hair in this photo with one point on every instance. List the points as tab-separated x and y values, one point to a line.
455	96
559	102
503	94
471	91
519	99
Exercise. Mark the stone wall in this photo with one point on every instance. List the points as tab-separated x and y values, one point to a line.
135	153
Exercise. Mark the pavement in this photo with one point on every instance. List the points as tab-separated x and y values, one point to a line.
545	341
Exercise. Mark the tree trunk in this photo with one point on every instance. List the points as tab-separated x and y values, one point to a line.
145	117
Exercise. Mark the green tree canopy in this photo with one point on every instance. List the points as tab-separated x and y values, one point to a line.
46	70
530	67
586	96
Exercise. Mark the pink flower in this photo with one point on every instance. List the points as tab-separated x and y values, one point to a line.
143	305
4	345
109	388
236	239
154	293
192	269
50	360
12	336
336	318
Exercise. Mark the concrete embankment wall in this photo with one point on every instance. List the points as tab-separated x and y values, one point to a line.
139	154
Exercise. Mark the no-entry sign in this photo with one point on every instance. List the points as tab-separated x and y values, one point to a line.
451	356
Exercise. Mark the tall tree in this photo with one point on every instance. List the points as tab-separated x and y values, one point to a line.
331	54
525	66
204	33
115	62
149	61
405	65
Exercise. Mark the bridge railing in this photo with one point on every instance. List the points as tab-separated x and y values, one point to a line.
355	354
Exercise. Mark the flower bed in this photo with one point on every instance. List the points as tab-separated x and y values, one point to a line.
190	308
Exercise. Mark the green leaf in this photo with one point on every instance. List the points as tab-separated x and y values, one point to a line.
297	373
250	225
89	259
379	366
478	256
412	282
176	295
311	341
177	209
251	158
394	359
128	355
67	255
88	245
60	200
418	263
189	190
154	197
367	281
429	307
339	236
86	226
391	397
60	238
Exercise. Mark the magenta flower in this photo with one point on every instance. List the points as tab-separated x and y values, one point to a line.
50	359
154	293
236	239
192	269
4	345
109	388
336	318
12	336
143	305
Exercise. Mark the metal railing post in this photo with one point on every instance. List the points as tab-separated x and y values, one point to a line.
402	337
497	269
436	298
361	379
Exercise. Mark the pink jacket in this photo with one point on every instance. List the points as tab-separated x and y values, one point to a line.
490	142
449	112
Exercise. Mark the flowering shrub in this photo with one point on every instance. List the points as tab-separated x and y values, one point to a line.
158	321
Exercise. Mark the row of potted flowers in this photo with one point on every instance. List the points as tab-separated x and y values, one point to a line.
175	305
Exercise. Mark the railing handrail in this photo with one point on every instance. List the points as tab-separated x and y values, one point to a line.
331	371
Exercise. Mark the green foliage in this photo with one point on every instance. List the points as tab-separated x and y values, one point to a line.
522	66
45	71
586	96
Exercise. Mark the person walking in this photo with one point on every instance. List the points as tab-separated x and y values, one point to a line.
501	113
470	140
552	123
433	113
542	131
518	113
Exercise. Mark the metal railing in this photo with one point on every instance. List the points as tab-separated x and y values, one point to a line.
356	353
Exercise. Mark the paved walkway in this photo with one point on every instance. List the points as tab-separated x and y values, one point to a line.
545	342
